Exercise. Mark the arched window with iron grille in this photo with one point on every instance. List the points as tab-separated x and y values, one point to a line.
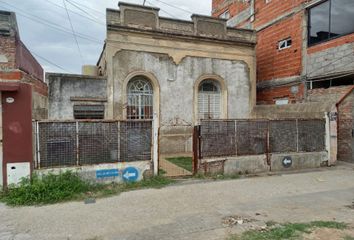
140	98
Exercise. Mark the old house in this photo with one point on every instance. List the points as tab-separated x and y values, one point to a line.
305	54
175	71
23	95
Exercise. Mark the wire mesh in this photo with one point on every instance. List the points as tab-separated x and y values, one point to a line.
62	144
218	138
57	144
283	136
135	141
251	137
311	135
98	142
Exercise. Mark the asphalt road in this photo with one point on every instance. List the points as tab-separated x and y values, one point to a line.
191	210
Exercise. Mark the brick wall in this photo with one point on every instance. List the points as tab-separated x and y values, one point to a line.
345	128
234	7
271	95
7	53
273	63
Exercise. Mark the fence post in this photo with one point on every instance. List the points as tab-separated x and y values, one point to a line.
297	135
155	144
77	143
118	149
236	138
195	149
269	162
38	155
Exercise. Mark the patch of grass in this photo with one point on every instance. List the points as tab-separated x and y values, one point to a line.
183	162
162	172
67	186
217	176
348	238
287	231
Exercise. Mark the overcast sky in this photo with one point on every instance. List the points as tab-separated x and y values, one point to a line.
46	31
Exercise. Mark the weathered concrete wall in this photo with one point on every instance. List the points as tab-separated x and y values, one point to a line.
258	163
66	89
177	98
111	172
299	161
315	110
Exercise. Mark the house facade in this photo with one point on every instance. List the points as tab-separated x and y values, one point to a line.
177	72
23	95
305	53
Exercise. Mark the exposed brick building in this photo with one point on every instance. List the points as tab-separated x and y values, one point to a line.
23	97
305	53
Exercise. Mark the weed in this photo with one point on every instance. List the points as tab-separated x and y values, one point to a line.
287	231
49	189
348	238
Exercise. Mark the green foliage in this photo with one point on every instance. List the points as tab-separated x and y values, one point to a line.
217	176
45	189
183	162
288	231
49	189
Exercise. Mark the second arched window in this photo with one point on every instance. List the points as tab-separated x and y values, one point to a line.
209	100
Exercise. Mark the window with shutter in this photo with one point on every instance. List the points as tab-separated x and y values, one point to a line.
209	100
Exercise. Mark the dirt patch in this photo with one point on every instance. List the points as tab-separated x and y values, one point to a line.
330	233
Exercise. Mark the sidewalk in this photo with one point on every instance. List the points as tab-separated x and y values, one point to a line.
190	211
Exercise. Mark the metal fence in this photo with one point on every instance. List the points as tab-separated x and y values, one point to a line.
76	143
218	138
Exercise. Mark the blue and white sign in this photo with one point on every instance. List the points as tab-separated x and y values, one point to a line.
130	174
287	162
107	173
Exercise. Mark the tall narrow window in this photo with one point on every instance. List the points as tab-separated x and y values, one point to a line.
140	99
209	100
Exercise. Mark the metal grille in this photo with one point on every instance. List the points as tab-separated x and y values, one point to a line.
218	138
98	142
283	136
60	144
135	141
311	135
252	137
57	144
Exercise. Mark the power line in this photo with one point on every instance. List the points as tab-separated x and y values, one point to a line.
171	15
73	31
84	11
50	62
92	9
59	6
52	25
173	6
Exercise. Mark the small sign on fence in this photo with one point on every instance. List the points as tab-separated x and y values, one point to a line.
107	173
287	162
130	174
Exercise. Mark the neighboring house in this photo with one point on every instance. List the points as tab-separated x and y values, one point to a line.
176	71
305	53
23	98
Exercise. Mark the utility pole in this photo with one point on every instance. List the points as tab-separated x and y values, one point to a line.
144	2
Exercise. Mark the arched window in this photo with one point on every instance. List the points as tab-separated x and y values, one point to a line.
140	98
209	100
